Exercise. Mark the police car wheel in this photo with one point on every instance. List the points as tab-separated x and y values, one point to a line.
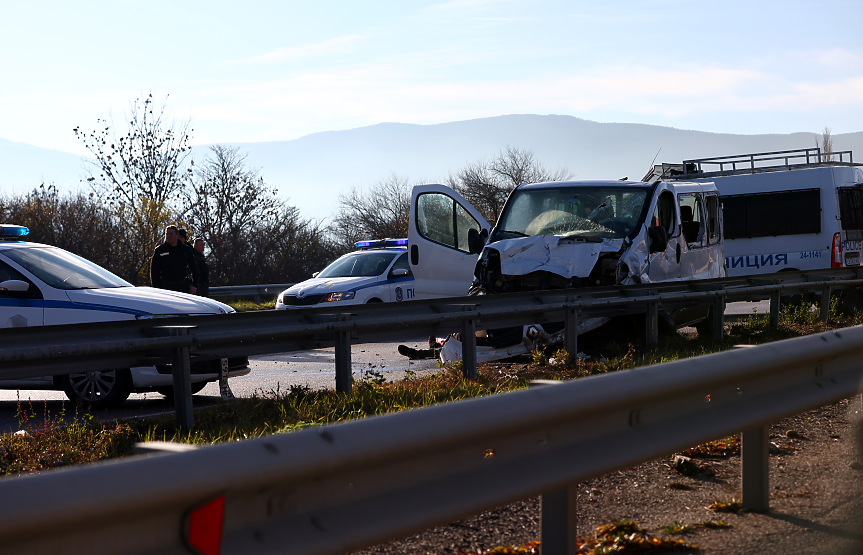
373	301
98	389
168	391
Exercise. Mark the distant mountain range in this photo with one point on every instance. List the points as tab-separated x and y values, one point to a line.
312	170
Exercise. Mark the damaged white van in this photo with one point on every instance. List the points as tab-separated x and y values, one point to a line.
558	235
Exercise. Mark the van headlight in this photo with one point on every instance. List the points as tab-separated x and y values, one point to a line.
281	298
345	296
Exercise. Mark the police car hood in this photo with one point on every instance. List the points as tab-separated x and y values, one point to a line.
147	300
317	286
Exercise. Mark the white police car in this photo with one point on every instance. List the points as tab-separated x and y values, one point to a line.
41	285
379	272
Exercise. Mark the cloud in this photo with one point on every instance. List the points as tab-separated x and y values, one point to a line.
332	46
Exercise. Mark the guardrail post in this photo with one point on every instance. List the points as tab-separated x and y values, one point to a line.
559	522
825	303
754	460
558	511
344	377
468	347
652	325
181	368
718	315
571	333
774	309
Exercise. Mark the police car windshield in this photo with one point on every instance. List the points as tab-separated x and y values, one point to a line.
601	212
360	264
63	270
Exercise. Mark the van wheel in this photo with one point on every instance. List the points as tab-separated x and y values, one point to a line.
98	389
168	391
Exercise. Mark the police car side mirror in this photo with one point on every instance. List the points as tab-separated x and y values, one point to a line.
400	272
315	274
658	239
14	285
476	240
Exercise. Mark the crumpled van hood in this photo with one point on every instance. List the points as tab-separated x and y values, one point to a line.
148	300
565	256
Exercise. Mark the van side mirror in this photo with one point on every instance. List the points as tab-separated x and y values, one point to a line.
658	239
476	240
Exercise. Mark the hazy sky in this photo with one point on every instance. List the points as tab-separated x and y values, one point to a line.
262	71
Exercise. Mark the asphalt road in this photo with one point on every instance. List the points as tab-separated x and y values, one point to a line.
275	372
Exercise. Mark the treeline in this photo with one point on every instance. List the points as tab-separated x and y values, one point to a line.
143	180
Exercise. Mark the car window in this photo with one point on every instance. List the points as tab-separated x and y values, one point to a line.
360	264
444	221
663	214
712	218
63	270
7	272
691	220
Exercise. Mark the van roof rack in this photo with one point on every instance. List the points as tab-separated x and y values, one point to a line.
759	162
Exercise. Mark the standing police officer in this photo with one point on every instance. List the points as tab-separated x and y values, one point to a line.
203	269
170	265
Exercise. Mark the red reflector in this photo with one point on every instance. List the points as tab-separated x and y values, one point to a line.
204	527
836	262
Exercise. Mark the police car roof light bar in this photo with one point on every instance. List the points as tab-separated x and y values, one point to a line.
378	243
10	230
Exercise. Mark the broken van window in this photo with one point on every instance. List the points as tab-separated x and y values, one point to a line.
601	212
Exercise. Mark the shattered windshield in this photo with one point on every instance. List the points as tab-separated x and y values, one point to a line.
595	212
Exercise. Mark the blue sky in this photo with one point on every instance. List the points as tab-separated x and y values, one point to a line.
263	71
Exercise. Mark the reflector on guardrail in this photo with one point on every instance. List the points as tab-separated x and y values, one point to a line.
203	529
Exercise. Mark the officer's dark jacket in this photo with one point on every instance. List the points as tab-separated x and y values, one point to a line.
172	264
203	269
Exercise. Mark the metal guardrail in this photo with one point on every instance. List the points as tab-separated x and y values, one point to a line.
342	487
258	291
52	350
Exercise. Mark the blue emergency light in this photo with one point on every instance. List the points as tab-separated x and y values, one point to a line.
379	243
9	230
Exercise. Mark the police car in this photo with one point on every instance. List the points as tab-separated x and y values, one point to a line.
41	285
379	272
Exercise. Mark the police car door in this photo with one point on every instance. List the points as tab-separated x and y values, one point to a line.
440	220
401	280
19	309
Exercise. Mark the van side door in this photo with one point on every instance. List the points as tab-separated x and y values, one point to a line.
701	252
440	220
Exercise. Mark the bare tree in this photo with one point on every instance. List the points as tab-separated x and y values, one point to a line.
378	213
141	172
77	222
253	235
826	145
486	184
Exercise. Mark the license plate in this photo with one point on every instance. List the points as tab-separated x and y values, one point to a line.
852	261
